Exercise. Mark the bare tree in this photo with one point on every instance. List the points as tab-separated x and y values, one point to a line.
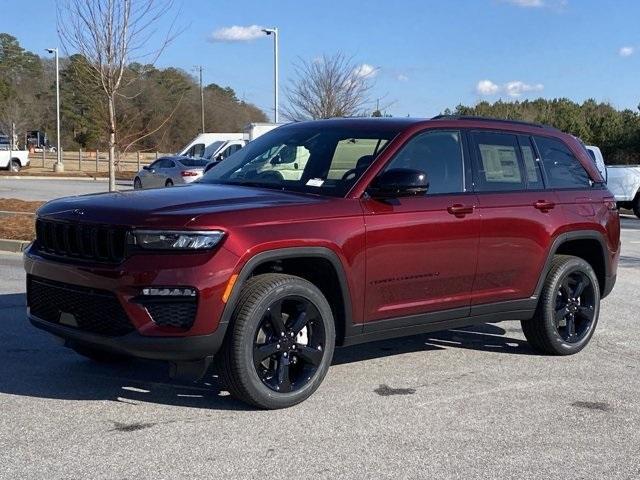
111	34
330	86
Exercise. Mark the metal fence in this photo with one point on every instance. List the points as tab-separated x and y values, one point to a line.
93	161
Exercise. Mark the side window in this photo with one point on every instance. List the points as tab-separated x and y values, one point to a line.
155	165
531	164
438	153
197	150
563	169
169	164
497	165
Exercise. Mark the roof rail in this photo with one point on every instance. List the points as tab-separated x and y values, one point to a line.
491	119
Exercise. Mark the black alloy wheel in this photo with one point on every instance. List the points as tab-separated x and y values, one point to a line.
289	344
575	307
280	342
568	308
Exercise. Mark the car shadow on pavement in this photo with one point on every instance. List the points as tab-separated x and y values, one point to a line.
483	337
32	363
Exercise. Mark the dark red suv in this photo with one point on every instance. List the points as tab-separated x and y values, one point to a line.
330	233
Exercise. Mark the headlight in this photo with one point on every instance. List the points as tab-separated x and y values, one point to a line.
176	240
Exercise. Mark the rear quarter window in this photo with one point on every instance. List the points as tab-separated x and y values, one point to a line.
563	169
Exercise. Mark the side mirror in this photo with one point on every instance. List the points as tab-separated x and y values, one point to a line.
147	167
399	182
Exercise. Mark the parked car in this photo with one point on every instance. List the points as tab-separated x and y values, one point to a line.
622	180
169	171
393	227
14	160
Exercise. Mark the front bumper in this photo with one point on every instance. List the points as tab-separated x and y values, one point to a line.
208	273
173	349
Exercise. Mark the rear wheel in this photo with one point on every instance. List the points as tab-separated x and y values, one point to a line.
137	184
636	205
281	342
168	183
568	308
14	166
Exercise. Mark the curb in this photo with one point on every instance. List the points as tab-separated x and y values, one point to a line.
46	177
14	246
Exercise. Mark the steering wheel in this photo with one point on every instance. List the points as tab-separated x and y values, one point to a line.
271	176
350	174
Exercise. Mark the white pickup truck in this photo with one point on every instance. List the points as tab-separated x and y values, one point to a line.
622	180
14	160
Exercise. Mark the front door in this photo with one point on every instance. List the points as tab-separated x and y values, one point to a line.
422	251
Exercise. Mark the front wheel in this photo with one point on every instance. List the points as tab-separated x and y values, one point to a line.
281	342
568	308
137	184
636	205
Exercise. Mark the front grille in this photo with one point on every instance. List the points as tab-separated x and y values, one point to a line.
87	309
81	241
173	312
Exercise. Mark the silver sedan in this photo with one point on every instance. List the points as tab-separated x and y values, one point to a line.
169	171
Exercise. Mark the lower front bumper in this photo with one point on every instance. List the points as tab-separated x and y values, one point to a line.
173	349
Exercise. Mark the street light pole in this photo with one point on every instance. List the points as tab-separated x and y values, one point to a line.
201	98
58	167
274	31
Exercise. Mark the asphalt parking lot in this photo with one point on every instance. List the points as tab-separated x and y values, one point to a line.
472	403
26	188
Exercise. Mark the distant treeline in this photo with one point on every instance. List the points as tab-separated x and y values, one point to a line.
616	132
159	109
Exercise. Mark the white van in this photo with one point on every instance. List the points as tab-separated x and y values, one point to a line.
210	145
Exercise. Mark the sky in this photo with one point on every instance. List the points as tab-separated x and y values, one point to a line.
422	55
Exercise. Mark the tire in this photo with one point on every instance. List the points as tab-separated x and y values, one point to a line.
14	166
168	183
562	325
99	356
636	205
286	376
137	184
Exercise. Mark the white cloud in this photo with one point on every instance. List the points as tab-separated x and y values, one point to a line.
513	89
626	51
558	5
365	71
402	78
487	87
526	3
237	33
517	88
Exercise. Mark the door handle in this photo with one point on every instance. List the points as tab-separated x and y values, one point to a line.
460	210
544	205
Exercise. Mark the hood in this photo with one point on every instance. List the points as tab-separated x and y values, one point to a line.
168	207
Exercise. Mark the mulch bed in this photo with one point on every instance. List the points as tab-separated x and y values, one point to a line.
18	227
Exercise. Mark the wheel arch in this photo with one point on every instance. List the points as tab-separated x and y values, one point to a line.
319	265
589	245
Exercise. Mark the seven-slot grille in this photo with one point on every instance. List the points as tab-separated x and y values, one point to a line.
87	309
81	241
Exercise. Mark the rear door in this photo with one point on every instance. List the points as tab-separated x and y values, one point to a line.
421	251
519	216
569	180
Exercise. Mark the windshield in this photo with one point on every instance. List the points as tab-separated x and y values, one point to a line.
212	148
310	158
193	162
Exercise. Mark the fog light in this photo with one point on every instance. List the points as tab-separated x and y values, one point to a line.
169	292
